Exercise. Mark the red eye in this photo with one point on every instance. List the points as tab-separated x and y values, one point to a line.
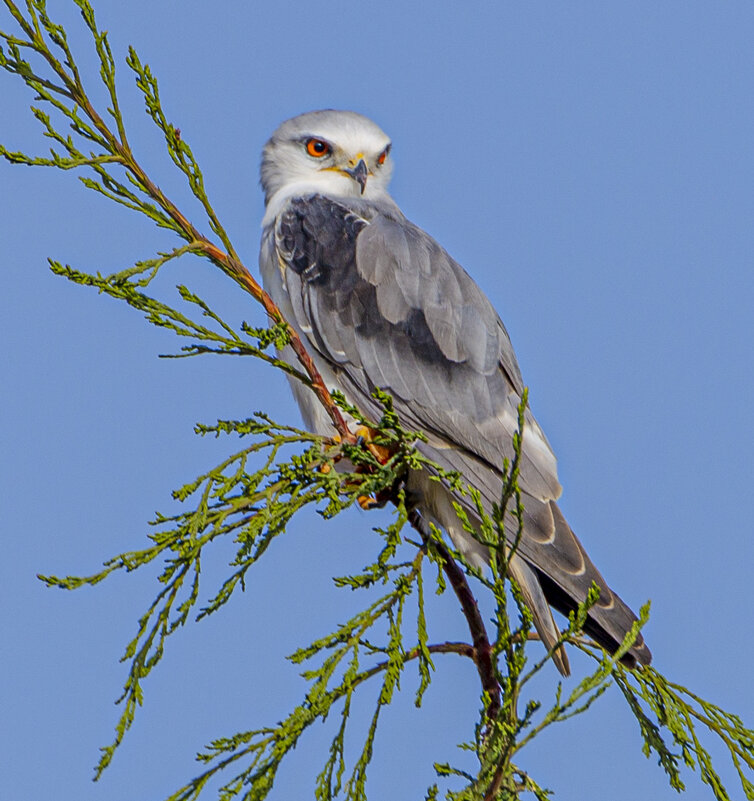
317	148
381	158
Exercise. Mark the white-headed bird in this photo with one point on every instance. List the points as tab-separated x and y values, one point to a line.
378	303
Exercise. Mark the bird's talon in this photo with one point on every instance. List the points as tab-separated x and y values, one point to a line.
367	502
365	437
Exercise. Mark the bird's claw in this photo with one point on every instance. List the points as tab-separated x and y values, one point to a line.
376	501
367	502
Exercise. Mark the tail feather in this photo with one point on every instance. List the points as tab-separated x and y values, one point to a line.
544	623
610	619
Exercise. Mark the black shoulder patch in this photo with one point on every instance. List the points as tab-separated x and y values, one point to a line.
318	237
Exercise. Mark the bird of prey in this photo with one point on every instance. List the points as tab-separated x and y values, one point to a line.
378	303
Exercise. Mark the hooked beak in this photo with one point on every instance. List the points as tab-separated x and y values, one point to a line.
359	174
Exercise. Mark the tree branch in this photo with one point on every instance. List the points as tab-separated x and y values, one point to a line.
482	648
460	648
118	146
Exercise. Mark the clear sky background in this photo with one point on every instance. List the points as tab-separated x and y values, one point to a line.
591	165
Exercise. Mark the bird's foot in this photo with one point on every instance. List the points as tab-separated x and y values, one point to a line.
367	435
376	501
367	502
364	437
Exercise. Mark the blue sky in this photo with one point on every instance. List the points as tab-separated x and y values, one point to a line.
591	166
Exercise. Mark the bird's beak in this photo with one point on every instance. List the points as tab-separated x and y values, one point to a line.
359	174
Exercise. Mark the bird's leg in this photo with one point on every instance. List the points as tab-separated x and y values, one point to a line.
382	453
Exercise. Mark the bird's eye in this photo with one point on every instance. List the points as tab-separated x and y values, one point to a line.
318	148
381	158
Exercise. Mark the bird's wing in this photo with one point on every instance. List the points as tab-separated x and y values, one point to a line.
383	302
385	306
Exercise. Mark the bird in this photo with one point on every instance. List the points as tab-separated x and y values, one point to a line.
378	303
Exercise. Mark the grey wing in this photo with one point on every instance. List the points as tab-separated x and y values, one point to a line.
388	306
385	306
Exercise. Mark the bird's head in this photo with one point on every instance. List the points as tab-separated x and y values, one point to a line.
337	153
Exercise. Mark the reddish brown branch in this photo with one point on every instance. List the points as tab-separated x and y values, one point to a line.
228	262
481	642
238	271
460	648
496	783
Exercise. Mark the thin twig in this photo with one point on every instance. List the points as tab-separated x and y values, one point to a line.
460	648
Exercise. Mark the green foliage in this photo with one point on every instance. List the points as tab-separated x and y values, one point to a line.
649	694
254	492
